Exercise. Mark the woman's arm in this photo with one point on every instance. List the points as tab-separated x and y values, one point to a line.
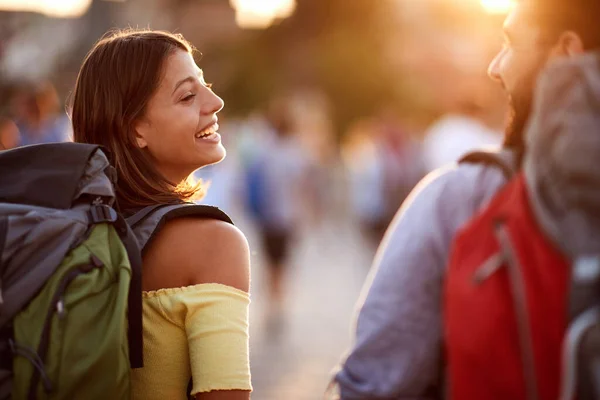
197	251
192	251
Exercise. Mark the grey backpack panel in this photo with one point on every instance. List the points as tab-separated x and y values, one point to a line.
37	239
53	175
95	182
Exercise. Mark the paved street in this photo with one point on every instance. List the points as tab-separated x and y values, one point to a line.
328	269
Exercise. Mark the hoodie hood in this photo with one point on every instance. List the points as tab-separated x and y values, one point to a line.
562	162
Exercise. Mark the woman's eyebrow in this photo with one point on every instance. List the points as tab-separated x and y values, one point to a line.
185	80
191	79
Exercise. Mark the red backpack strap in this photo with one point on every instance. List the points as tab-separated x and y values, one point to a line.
504	159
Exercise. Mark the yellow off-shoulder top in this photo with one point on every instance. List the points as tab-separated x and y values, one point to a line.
198	331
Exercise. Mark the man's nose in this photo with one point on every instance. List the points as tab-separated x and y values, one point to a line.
494	68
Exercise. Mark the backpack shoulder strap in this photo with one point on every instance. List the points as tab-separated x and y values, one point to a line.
504	159
147	222
134	302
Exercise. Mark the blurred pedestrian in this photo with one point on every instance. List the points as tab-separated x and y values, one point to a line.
40	117
9	134
398	349
277	183
384	164
365	178
158	121
456	134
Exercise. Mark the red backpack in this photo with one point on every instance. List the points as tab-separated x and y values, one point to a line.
508	306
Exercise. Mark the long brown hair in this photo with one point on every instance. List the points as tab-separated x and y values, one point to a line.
116	81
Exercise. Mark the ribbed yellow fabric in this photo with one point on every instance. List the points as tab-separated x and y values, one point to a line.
199	331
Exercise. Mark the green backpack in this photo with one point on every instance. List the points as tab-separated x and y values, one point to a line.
70	277
70	274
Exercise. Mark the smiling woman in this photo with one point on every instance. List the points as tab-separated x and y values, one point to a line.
148	118
185	106
142	97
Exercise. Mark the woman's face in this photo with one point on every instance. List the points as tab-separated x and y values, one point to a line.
179	128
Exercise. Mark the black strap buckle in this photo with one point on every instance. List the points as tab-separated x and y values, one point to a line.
101	213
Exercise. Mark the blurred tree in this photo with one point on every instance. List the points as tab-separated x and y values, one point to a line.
332	45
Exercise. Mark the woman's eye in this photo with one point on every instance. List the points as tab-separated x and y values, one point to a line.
188	97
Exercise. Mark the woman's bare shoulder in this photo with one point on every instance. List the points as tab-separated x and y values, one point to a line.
195	250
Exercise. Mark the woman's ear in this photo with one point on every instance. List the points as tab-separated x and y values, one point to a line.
141	129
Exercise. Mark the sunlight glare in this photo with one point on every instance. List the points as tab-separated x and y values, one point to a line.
261	13
497	6
51	8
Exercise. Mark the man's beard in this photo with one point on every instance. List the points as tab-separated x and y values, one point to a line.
520	107
519	111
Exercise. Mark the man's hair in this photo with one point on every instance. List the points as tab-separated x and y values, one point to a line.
556	16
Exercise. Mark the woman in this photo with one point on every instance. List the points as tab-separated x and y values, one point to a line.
141	95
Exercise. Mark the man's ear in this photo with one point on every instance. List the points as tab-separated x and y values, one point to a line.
569	44
141	129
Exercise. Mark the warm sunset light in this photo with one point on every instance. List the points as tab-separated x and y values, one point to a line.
497	6
259	14
51	8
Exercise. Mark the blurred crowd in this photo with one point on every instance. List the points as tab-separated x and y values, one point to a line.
36	115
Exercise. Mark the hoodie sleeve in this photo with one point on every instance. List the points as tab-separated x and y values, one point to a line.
398	339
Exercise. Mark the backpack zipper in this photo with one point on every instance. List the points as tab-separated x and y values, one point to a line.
520	301
57	307
488	268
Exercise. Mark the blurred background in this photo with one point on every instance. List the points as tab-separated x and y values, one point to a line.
334	110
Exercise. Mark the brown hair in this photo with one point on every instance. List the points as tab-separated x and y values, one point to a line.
580	16
117	79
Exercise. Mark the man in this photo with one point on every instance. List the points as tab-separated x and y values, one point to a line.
397	352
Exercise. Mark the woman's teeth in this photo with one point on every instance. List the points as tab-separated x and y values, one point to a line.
205	133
